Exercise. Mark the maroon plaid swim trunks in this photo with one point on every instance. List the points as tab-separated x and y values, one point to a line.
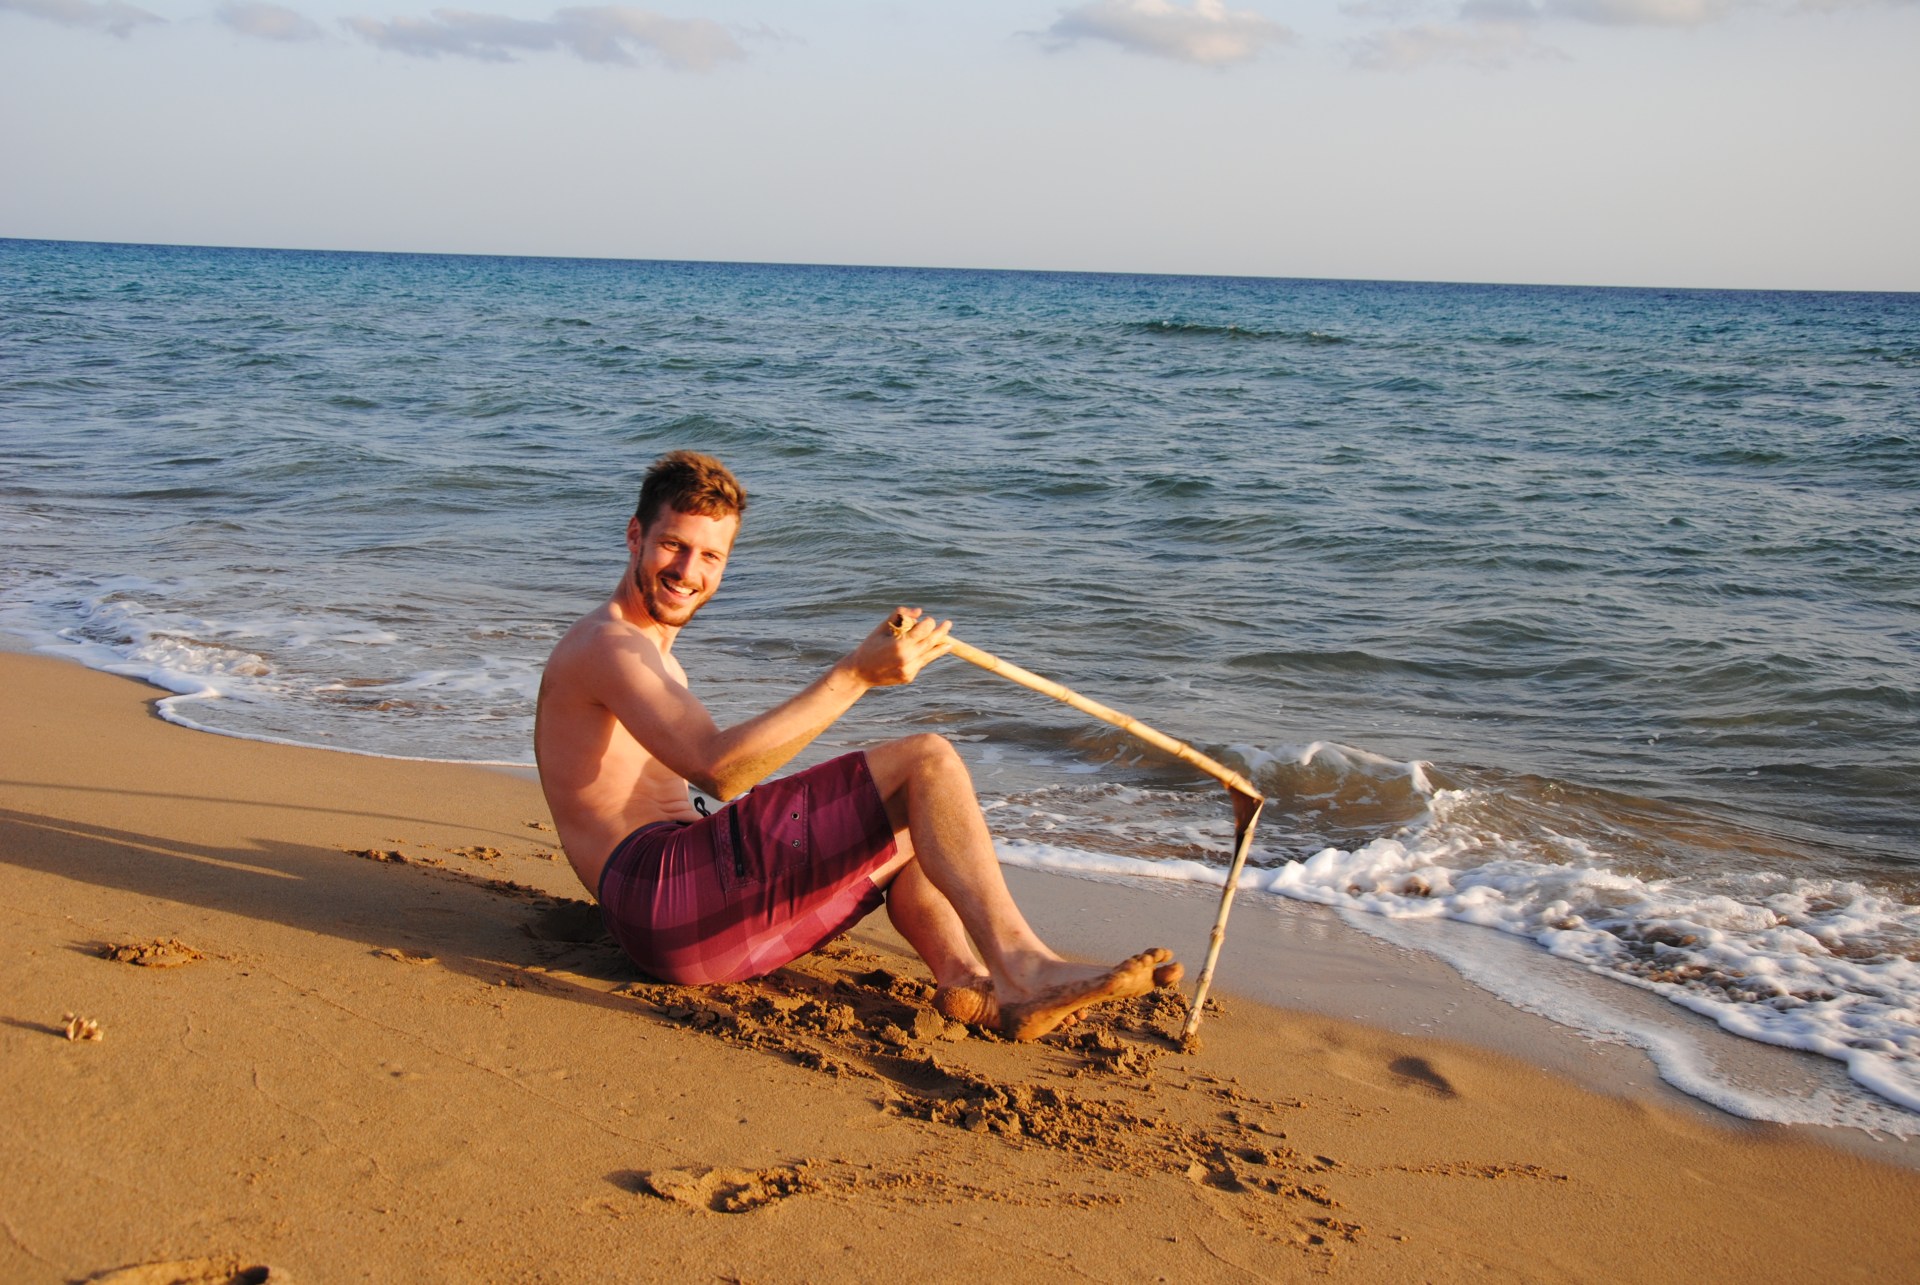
757	884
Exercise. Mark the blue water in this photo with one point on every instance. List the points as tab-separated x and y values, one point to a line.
1589	615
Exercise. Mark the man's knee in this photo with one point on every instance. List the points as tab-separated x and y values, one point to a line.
929	748
921	758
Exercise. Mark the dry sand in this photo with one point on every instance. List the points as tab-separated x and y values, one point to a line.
355	1022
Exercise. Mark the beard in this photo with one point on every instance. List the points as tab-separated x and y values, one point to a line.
667	608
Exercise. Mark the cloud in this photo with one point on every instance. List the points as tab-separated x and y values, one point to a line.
1496	33
601	33
1486	45
111	16
265	21
1209	33
1608	13
1492	34
1641	13
1391	9
1500	11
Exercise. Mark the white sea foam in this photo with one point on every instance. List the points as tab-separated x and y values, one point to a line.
1681	1053
247	678
1825	966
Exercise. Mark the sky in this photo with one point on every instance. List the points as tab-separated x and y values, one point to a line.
1707	143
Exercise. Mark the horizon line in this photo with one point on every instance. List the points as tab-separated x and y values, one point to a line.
907	267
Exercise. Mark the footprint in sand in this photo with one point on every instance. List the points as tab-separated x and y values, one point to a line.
726	1191
405	956
190	1271
161	952
1422	1072
392	856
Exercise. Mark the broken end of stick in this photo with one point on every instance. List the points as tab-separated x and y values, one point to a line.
1246	807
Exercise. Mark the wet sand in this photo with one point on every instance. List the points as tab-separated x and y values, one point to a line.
355	1019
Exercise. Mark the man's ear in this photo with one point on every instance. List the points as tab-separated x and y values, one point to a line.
634	533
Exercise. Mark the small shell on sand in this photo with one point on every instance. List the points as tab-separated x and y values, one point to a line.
82	1028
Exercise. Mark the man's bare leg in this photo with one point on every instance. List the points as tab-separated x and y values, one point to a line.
929	794
963	987
922	914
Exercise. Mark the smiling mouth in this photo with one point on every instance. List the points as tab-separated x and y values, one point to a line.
677	592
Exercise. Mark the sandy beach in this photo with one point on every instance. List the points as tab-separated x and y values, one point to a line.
357	1020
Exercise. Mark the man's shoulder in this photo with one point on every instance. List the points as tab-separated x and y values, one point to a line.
602	638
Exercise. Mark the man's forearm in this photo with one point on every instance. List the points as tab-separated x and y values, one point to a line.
748	753
741	756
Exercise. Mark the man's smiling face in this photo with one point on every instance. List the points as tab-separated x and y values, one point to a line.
678	561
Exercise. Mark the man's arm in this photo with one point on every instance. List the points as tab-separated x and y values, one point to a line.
672	725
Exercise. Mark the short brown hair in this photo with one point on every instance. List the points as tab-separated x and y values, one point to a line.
689	482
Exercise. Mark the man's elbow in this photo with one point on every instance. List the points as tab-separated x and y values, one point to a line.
720	782
727	781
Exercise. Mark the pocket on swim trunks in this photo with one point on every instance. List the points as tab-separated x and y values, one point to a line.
767	832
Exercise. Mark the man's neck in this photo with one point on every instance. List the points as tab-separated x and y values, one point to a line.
627	605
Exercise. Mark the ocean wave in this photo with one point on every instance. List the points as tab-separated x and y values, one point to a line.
1828	966
294	678
1206	330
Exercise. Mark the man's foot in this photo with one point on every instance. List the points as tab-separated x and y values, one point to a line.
1029	1019
974	1003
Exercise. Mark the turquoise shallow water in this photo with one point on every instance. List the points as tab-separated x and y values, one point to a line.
1592	615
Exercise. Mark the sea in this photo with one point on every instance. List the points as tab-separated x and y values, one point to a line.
1583	618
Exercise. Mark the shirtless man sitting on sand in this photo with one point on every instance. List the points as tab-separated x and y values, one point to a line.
798	860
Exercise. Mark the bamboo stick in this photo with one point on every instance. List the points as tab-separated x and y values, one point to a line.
1242	842
1127	723
1247	798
